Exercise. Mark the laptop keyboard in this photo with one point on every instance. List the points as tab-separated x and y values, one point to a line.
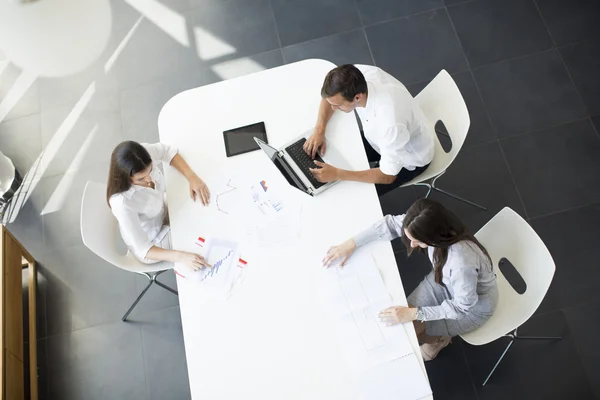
304	161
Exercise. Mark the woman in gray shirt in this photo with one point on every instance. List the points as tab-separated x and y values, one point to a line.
457	296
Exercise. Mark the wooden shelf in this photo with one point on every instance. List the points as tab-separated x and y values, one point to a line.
14	258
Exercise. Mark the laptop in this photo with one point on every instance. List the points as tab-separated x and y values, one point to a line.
294	164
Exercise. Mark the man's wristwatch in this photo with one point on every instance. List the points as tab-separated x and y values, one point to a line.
419	315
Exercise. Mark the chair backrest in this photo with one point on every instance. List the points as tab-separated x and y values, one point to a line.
99	231
441	101
509	236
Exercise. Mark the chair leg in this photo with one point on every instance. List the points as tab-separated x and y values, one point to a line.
458	198
538	337
151	281
431	186
162	285
514	336
427	185
498	362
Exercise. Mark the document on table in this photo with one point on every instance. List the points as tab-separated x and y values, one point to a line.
354	295
259	207
276	230
225	270
247	198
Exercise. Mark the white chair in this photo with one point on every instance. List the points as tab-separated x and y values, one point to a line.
508	236
441	101
99	231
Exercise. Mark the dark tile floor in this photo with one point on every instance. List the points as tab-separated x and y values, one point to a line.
527	69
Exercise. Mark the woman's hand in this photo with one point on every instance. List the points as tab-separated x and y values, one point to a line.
199	189
342	251
397	315
192	260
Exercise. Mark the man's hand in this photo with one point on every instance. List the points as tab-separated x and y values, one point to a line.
316	142
325	172
198	189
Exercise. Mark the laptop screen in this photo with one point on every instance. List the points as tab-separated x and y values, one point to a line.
289	174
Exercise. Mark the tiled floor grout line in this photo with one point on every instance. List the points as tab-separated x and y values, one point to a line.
404	16
536	131
282	56
564	210
595	302
462	49
570	337
573	339
563	60
111	322
553	48
323	37
276	30
488	117
464	353
596	128
512	177
460	2
544	22
360	18
369	46
147	383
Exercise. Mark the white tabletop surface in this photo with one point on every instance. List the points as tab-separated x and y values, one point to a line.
272	339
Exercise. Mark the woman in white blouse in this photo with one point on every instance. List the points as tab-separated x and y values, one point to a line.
136	196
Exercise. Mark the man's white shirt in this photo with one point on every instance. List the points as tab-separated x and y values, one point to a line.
393	123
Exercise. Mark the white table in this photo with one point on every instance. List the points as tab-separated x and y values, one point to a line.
271	339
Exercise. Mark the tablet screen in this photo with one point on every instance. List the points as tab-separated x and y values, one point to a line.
241	140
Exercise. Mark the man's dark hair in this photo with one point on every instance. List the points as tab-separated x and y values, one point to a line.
346	80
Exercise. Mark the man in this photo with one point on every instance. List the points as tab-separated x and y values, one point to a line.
395	134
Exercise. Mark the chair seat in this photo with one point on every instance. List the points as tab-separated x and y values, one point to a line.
100	231
509	236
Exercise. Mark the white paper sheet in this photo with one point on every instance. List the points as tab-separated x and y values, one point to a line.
266	199
219	279
354	295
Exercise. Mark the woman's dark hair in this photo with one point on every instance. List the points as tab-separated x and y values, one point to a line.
431	223
346	80
127	159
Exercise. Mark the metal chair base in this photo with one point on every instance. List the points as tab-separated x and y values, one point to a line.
151	279
513	336
431	186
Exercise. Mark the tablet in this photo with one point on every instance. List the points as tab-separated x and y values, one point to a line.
241	140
